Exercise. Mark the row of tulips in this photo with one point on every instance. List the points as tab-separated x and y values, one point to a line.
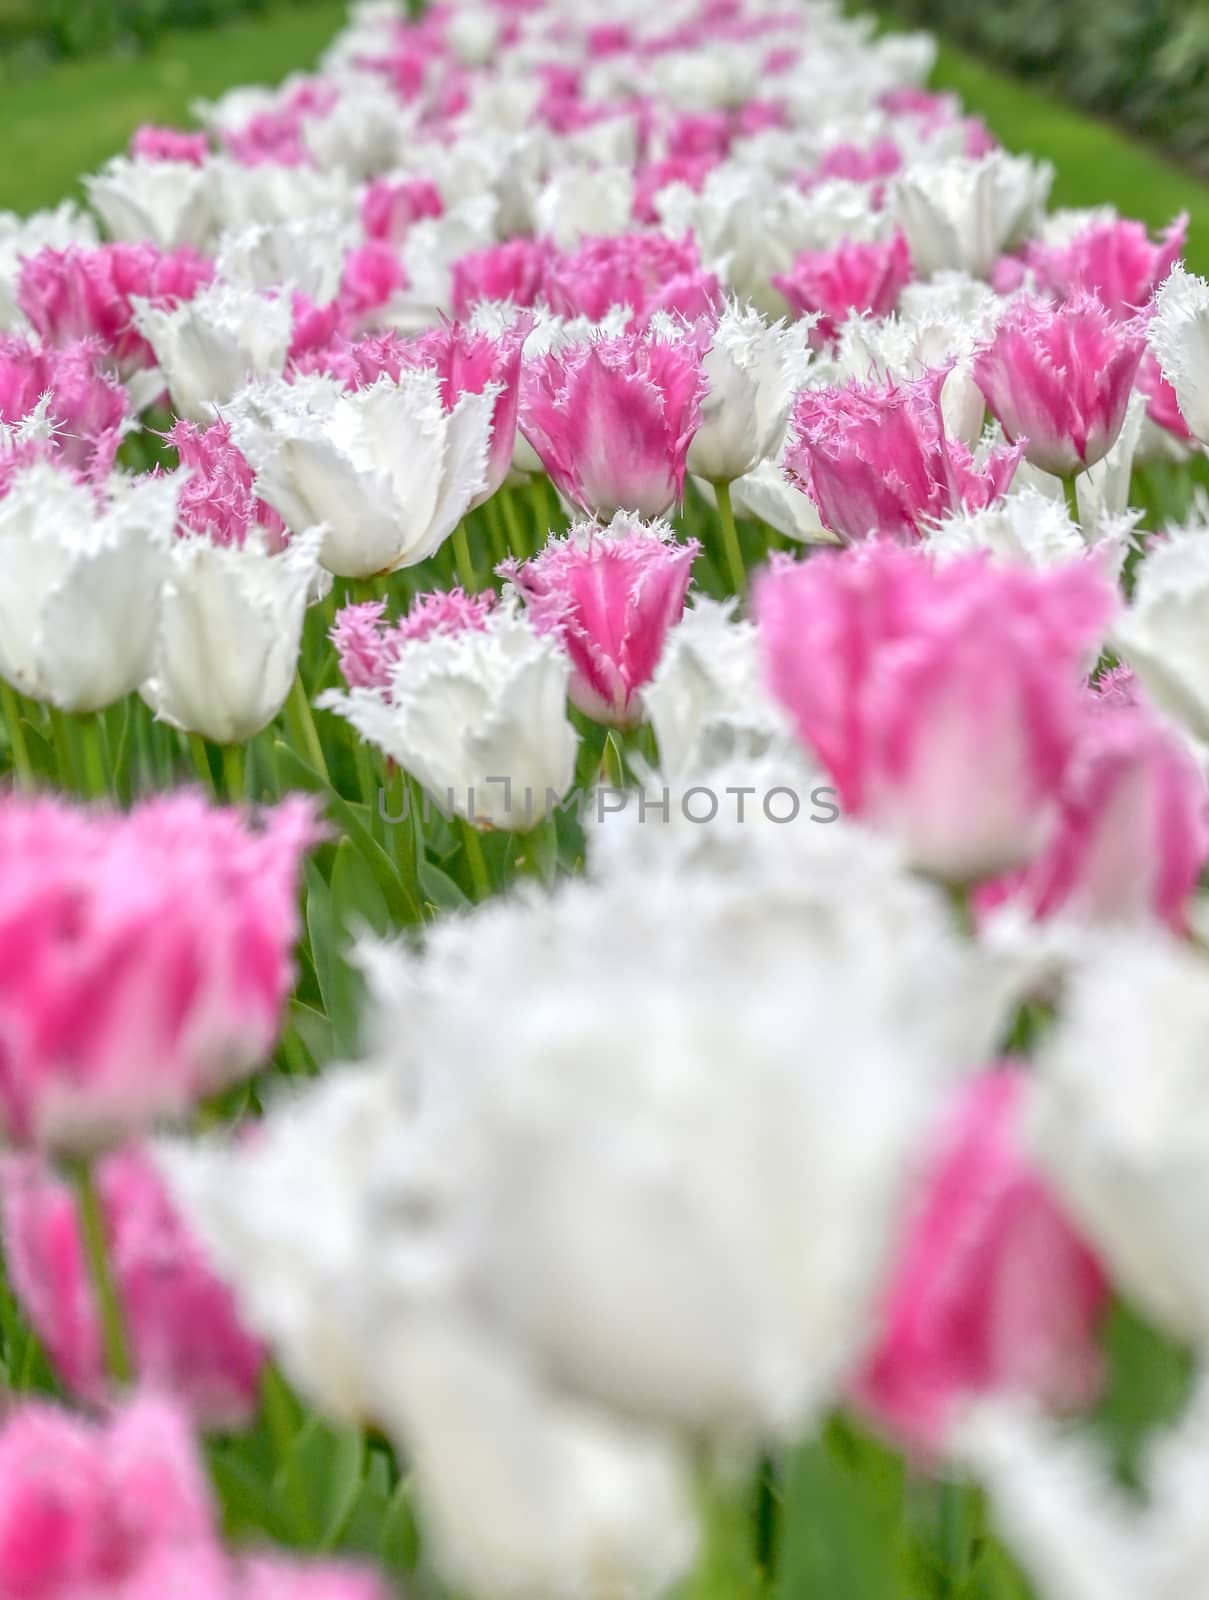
605	688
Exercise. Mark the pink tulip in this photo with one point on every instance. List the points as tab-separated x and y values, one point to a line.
275	137
85	1507
514	272
611	595
368	647
1059	379
373	275
276	1578
121	1510
149	143
612	420
875	460
144	959
316	329
87	404
631	269
1114	261
652	176
691	135
218	499
83	294
1133	834
852	277
993	1289
1162	403
468	362
943	700
389	207
185	1335
850	162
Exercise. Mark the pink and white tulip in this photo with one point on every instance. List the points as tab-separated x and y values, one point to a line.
90	1508
609	595
943	699
855	276
647	272
121	1510
367	647
877	462
87	404
1059	380
1133	832
612	419
470	362
390	206
151	143
993	1290
144	960
473	706
79	293
513	272
218	498
1116	261
185	1336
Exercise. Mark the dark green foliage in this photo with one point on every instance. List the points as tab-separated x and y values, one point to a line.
1142	62
33	31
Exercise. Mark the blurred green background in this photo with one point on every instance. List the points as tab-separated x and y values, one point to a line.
1144	62
56	124
34	32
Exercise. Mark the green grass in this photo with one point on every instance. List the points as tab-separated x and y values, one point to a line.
69	120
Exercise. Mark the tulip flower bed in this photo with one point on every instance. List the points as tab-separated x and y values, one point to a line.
603	978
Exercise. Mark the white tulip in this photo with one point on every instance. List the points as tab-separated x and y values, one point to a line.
210	346
1179	337
387	470
964	213
1164	635
165	202
1025	528
579	200
1102	491
524	1492
365	133
473	35
1120	1120
719	76
306	256
245	197
1075	1530
80	584
685	1224
645	1206
429	251
479	717
230	629
768	495
908	346
707	700
752	371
